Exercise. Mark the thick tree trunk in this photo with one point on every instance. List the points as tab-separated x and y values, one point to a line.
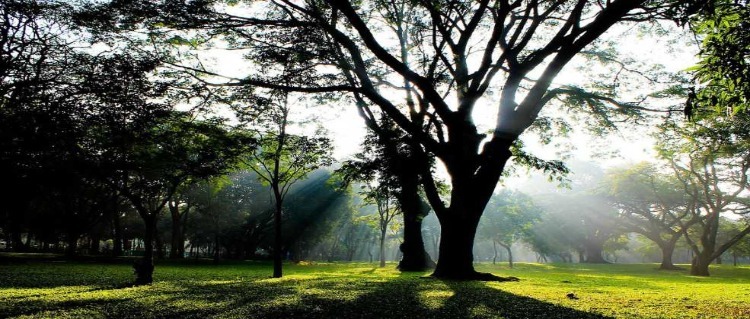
414	256
594	253
472	187
456	257
144	267
699	266
177	241
667	250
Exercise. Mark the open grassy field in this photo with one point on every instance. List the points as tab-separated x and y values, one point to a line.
55	289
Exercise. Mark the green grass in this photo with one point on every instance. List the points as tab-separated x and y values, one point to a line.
36	289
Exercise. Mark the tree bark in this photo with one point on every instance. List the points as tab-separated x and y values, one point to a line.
456	257
494	249
277	271
414	256
472	187
382	247
414	210
510	254
177	238
117	241
667	250
699	266
144	267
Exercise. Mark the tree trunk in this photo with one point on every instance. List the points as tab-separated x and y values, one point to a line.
594	253
117	241
144	267
277	271
382	247
667	250
72	241
494	249
159	245
94	247
699	266
217	250
456	257
510	255
414	256
177	242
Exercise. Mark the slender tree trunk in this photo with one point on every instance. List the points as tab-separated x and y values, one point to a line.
510	254
159	243
177	238
117	242
277	271
95	244
494	249
217	250
382	247
72	247
144	268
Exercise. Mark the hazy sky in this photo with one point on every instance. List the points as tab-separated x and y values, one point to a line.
633	144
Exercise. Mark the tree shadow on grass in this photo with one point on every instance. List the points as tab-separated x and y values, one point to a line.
406	296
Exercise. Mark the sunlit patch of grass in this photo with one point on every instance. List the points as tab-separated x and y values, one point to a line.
362	290
435	299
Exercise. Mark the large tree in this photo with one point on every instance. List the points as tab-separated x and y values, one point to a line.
711	159
651	203
459	52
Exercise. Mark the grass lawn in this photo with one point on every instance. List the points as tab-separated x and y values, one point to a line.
56	289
